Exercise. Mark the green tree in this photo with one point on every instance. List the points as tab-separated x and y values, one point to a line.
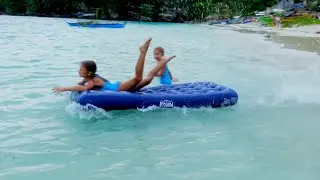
179	10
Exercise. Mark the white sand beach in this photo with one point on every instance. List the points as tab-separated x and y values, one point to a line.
304	38
301	31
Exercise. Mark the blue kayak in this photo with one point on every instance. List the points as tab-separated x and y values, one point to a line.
191	95
98	25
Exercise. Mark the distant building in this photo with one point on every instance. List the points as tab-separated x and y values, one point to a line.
288	3
312	2
284	4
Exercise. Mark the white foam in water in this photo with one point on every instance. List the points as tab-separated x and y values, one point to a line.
150	108
301	84
300	92
87	112
183	110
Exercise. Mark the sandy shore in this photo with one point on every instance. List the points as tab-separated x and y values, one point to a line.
306	38
302	31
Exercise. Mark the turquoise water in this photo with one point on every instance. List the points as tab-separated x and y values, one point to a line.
272	133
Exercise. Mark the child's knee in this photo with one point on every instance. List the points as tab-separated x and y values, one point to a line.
137	79
148	79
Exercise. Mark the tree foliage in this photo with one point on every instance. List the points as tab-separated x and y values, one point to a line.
154	10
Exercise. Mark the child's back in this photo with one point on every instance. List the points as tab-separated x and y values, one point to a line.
165	78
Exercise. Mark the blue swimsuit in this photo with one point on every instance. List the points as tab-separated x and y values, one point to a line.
108	86
111	86
165	78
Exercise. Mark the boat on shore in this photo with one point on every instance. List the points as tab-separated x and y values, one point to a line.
96	24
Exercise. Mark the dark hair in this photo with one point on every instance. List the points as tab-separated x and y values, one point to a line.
90	66
160	49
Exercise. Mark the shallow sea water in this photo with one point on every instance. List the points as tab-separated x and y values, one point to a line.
272	133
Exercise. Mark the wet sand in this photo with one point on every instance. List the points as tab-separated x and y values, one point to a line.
311	44
303	43
301	38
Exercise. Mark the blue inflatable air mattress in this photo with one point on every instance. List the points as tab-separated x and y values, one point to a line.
191	95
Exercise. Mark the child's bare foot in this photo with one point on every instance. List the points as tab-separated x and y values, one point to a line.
144	48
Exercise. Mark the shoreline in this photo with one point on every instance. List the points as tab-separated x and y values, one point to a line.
305	31
304	38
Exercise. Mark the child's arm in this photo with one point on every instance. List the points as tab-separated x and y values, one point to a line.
171	77
160	73
82	82
86	87
170	74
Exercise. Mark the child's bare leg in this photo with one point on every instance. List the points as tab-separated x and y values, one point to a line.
147	80
125	86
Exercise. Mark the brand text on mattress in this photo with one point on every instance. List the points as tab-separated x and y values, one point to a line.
166	104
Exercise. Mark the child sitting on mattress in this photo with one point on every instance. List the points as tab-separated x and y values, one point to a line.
164	74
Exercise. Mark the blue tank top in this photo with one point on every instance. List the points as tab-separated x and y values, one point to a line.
165	78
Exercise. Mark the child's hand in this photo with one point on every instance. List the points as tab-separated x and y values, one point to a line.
170	58
58	89
175	79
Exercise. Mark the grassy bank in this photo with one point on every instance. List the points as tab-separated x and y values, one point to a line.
299	21
291	21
